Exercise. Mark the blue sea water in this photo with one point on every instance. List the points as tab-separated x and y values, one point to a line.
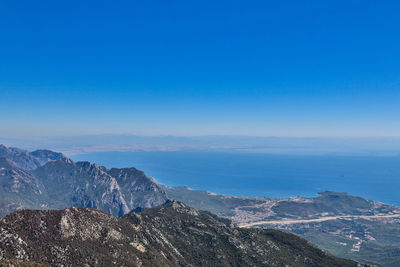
256	174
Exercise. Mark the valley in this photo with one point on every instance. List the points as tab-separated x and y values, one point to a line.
321	219
344	225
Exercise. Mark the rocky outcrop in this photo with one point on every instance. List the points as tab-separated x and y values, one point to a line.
169	235
137	189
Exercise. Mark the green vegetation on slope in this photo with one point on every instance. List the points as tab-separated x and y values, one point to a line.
374	241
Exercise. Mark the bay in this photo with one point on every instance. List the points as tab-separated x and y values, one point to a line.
258	174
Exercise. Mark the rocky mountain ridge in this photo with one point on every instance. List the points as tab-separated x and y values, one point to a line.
59	183
172	234
29	160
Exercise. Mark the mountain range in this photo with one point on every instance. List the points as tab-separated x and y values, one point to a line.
44	179
47	183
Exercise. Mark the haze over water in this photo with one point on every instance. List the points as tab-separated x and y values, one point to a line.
258	174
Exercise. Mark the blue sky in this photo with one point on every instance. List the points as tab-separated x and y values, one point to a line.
265	68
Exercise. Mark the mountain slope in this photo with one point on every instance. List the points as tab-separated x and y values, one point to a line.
81	184
137	189
20	157
85	184
169	235
29	160
345	225
43	156
18	188
46	179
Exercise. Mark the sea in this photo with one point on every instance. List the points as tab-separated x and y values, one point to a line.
244	173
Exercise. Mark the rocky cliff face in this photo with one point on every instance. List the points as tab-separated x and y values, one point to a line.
169	235
18	188
29	160
81	184
137	189
15	179
61	183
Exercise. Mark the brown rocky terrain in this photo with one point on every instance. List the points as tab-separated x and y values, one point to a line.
169	235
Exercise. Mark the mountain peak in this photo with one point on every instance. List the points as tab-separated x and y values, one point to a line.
156	237
44	155
173	208
29	160
175	204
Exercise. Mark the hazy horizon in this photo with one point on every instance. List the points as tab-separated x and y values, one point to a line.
71	145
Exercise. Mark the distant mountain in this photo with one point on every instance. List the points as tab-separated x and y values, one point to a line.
29	160
345	225
57	182
169	235
43	156
244	210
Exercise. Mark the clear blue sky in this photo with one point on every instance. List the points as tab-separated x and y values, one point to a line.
273	68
